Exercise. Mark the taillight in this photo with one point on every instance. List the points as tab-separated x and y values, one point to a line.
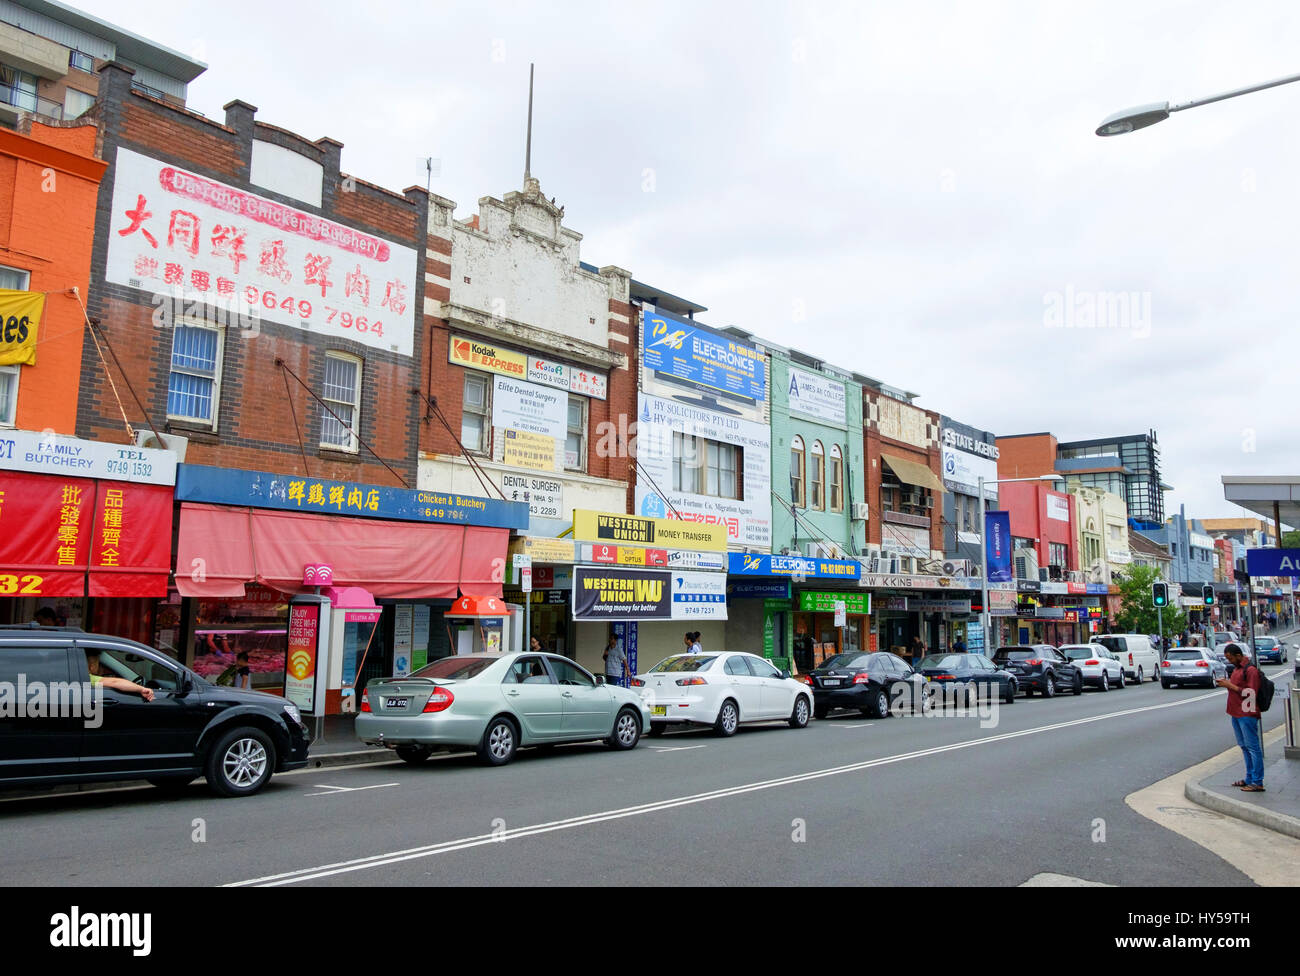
806	679
365	701
1202	664
1130	658
638	683
942	677
1165	664
691	681
1091	663
440	700
1034	662
861	679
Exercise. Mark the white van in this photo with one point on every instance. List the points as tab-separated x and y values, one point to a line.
1137	657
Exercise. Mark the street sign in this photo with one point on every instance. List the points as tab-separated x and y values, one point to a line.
841	613
526	579
1273	562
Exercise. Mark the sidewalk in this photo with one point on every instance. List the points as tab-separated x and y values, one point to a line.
335	743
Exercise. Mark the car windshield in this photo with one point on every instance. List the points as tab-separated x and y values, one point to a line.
945	661
458	667
1183	655
847	661
685	662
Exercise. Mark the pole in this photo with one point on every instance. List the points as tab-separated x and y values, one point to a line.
528	149
528	620
984	574
1160	624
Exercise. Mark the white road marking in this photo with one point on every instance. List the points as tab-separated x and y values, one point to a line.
347	789
864	726
1049	880
480	840
677	748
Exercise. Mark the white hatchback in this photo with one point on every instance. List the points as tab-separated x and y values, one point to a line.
1100	667
721	689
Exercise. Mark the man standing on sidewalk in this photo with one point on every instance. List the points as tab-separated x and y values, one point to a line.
615	661
1243	706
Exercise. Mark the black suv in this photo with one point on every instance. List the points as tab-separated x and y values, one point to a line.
1040	667
142	716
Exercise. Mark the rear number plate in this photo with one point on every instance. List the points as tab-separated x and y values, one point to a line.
659	710
395	702
830	682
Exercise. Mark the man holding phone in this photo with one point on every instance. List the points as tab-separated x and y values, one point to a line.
1243	707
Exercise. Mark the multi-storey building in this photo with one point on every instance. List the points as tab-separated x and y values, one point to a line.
968	454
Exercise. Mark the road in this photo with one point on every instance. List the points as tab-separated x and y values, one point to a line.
904	801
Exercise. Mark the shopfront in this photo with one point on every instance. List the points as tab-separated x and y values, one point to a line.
818	634
85	533
250	542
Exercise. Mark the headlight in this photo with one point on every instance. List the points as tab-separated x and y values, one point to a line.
293	713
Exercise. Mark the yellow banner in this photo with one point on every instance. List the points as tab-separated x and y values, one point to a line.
544	550
525	450
20	315
477	354
651	532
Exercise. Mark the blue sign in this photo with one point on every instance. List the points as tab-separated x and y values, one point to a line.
997	545
775	590
291	493
625	631
1101	589
743	564
1272	562
691	352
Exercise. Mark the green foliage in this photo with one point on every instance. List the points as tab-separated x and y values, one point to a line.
1291	539
1137	615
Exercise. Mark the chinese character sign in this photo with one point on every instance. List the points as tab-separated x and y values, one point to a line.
174	232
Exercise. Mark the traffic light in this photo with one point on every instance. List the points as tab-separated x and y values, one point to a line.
1159	595
1207	595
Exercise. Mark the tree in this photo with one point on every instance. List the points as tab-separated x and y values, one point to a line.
1136	614
1291	539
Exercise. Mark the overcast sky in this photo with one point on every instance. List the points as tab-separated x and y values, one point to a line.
909	190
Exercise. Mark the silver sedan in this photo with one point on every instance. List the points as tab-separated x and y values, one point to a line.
495	704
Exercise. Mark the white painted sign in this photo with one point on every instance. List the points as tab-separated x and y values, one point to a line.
690	559
1118	556
545	496
748	520
50	453
530	407
962	471
179	234
905	540
575	379
699	596
815	395
1058	508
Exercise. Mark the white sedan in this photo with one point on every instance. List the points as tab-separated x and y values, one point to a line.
721	689
1100	667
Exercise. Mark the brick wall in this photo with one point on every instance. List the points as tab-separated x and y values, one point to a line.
1027	456
256	426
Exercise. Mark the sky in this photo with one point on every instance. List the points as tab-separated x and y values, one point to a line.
913	191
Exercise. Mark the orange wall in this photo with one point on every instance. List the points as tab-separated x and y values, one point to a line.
49	185
1026	457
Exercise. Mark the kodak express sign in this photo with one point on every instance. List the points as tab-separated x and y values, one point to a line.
477	354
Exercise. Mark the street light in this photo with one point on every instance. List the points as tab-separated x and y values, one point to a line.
984	555
1132	119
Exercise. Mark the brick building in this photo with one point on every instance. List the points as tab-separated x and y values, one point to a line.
903	475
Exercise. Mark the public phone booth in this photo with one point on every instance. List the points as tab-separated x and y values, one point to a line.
484	625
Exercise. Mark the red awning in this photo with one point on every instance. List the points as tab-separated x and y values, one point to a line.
221	548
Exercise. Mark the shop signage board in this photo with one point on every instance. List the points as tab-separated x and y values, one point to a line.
1002	603
748	564
692	559
544	496
492	357
613	593
610	527
175	232
1058	508
930	605
264	489
50	453
545	550
699	596
529	407
965	459
816	395
689	351
595	552
760	590
824	602
524	450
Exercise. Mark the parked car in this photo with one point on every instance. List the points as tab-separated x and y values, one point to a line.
1269	649
497	704
723	690
870	682
235	738
1100	667
971	669
1190	666
1135	652
1040	667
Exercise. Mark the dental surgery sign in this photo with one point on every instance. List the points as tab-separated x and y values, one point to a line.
687	351
20	314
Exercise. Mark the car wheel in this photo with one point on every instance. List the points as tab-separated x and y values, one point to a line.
1010	697
241	762
1165	685
414	755
1141	677
171	784
1049	687
627	731
657	729
1029	692
799	717
1121	678
728	719
1078	684
880	705
821	711
1105	681
500	740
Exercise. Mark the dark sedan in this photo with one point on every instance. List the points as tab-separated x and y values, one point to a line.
956	670
872	683
1041	667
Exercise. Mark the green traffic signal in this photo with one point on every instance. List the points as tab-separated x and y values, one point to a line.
1160	594
1207	595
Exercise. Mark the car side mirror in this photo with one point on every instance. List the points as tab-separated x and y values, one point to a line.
785	674
600	679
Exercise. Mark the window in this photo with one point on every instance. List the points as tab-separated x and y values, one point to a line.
796	472
76	103
817	476
736	666
720	470
837	479
476	409
194	387
8	395
1056	554
14	279
342	394
568	673
575	441
705	467
17	88
686	463
80	60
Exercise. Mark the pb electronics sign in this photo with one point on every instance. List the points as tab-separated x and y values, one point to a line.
688	351
182	235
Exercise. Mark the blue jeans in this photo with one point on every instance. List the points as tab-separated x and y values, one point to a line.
1247	732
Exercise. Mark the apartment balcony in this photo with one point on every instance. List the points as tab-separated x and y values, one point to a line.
15	100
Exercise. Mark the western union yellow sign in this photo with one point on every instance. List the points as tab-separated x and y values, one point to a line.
653	532
20	315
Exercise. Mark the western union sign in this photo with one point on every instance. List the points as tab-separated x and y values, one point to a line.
651	532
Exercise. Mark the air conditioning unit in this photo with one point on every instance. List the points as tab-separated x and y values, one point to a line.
906	565
814	550
957	567
861	511
1026	564
1054	572
171	442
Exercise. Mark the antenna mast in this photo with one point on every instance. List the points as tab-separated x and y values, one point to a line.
528	149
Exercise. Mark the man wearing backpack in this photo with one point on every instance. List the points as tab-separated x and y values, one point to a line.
1244	706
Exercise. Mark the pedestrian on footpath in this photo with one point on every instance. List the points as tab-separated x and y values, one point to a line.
615	661
696	646
1243	707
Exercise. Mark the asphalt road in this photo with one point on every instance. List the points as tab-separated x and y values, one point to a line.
908	801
